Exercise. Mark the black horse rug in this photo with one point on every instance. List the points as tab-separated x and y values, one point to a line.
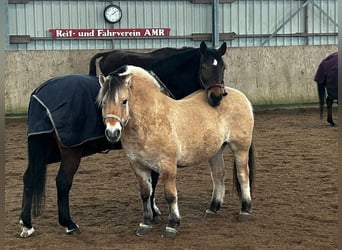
67	106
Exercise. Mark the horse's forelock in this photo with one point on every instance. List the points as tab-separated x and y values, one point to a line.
109	92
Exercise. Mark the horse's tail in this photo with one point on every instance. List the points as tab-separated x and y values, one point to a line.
92	63
35	175
251	164
321	97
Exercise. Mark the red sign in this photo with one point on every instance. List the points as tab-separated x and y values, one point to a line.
110	33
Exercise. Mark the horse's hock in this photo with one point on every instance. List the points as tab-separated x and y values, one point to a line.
267	75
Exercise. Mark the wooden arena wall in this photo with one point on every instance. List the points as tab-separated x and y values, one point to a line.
267	75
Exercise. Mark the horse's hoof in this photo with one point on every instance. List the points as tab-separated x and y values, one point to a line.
73	231
169	232
25	232
209	213
156	219
143	229
244	216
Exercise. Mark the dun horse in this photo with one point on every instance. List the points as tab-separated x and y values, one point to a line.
327	82
59	132
159	133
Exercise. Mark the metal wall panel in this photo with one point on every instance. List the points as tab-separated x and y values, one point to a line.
255	22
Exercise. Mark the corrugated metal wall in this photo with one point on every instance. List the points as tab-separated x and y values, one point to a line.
254	23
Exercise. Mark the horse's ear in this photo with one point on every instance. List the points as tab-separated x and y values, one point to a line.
203	48
102	80
128	79
223	48
97	65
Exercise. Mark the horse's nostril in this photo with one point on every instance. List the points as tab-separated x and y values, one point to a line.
214	100
113	136
116	133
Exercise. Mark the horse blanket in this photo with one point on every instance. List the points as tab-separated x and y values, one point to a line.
327	73
67	106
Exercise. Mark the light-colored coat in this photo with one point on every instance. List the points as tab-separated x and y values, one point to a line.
160	133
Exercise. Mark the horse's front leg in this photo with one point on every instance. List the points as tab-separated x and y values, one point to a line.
168	175
69	164
145	184
216	164
329	109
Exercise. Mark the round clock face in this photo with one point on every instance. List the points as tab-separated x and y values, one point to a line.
112	13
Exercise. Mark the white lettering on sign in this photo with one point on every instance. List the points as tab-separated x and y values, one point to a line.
94	33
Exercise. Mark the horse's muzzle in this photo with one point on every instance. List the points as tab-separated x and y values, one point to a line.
215	94
113	136
214	100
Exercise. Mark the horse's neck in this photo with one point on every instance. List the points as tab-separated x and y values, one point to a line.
146	97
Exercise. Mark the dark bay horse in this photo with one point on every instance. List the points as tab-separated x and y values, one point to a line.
56	110
327	84
114	59
191	68
159	133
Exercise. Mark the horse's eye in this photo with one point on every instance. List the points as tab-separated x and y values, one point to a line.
125	101
205	66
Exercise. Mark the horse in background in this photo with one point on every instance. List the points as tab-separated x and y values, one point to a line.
327	84
114	59
159	133
190	68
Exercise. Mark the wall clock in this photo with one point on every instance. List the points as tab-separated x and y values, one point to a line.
112	13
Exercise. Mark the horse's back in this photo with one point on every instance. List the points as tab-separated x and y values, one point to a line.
114	59
234	102
235	112
327	71
198	124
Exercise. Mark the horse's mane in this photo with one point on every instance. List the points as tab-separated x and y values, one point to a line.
116	81
142	73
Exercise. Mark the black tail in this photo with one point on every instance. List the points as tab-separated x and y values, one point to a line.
35	175
92	64
321	97
251	164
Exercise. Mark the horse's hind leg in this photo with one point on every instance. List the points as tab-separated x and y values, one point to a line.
242	172
25	217
329	109
69	164
34	182
216	164
155	209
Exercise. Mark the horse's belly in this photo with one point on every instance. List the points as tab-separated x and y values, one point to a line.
195	155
